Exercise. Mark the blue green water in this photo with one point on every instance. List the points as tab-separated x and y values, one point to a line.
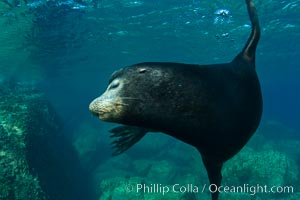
68	49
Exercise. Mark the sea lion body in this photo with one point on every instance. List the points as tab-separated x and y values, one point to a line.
215	108
207	106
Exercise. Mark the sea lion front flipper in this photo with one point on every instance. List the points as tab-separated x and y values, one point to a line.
125	137
213	169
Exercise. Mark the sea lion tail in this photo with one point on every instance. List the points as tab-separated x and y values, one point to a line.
125	137
248	53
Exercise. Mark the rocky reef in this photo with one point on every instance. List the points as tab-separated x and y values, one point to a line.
36	161
259	163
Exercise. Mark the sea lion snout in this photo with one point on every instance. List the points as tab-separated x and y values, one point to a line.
107	108
94	107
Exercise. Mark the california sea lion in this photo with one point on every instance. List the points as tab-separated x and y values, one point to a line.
215	108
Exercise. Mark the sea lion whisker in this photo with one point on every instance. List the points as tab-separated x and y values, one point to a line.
123	104
131	98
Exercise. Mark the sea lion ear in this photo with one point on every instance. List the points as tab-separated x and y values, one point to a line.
142	70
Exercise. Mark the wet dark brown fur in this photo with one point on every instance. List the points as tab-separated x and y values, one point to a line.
215	108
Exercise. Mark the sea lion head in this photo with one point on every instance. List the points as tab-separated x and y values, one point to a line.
130	95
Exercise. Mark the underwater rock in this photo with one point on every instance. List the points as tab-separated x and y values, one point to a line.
16	179
36	160
188	160
142	167
152	145
288	146
114	167
91	143
113	177
120	188
266	167
162	172
263	162
174	162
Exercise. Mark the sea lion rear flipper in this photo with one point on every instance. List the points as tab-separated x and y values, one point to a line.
213	169
125	137
248	52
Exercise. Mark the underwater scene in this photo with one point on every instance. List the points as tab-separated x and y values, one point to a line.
58	56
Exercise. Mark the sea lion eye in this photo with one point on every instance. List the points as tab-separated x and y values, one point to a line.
114	84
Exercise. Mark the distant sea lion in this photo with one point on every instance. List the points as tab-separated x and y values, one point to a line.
215	108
